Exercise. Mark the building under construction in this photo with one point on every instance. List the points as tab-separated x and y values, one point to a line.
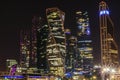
109	49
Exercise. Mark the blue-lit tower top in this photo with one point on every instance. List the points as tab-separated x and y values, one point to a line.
104	10
109	49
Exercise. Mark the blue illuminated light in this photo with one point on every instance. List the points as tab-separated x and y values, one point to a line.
13	77
68	74
107	12
104	12
88	31
80	27
67	32
80	73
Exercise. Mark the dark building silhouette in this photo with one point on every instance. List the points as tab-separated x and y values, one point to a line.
25	48
42	39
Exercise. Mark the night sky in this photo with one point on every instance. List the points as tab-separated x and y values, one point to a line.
16	15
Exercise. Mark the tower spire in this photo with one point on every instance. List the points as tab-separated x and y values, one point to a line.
109	49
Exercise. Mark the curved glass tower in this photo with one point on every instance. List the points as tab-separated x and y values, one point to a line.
56	48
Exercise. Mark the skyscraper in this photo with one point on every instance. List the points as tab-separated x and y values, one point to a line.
68	62
25	48
56	46
109	48
71	55
42	39
33	37
28	44
84	44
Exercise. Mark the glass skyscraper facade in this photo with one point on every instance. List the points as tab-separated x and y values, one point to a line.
42	39
25	48
56	46
28	44
84	43
71	54
33	36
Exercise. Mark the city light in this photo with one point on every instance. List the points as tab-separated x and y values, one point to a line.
108	72
104	12
113	70
94	77
15	77
50	52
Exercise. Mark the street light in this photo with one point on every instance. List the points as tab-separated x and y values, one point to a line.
106	69
113	70
107	72
94	77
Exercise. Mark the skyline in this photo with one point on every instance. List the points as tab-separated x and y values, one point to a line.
17	15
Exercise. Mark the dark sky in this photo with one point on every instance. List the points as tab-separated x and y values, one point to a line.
15	15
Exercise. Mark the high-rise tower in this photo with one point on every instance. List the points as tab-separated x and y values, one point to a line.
71	46
71	54
25	48
42	39
56	46
33	36
28	44
84	44
109	49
